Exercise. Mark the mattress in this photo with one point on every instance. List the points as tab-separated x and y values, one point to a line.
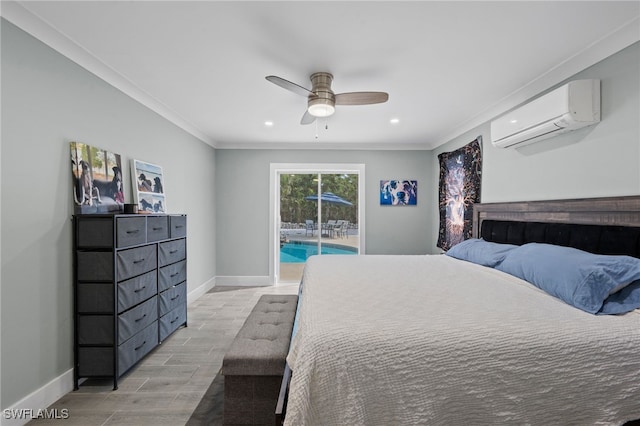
434	340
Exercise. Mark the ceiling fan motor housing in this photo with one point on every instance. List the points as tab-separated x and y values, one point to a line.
322	100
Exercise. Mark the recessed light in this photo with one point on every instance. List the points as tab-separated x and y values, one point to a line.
394	121
268	123
514	121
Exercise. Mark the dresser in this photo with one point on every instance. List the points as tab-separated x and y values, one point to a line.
130	289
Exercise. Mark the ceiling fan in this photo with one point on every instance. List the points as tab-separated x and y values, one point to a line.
321	100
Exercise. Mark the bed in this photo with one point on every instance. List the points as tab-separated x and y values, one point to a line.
439	340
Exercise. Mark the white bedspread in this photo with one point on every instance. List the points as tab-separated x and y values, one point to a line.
405	340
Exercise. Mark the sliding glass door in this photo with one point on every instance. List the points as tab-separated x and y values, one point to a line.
316	214
298	231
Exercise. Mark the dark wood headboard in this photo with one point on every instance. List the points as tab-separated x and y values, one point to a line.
613	222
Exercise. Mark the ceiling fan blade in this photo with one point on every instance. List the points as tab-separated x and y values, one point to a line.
361	98
286	84
307	118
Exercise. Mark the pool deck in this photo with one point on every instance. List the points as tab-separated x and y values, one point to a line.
292	272
351	239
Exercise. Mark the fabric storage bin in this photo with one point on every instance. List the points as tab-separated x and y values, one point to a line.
171	252
172	297
136	261
172	321
131	231
137	347
157	228
134	320
172	274
135	290
178	226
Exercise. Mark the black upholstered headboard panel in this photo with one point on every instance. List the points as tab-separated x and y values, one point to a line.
598	225
599	239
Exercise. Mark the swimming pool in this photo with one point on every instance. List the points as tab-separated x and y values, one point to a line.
299	251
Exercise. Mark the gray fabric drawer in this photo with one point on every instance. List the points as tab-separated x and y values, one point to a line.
95	361
172	274
95	266
95	232
171	252
171	321
131	231
136	261
95	330
135	290
95	297
157	228
134	320
137	347
178	226
172	298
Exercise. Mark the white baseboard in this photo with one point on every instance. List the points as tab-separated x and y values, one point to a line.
32	405
195	294
243	281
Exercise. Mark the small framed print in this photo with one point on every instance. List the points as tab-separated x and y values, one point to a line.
398	192
148	185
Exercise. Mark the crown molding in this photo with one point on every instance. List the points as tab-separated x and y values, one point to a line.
624	36
337	146
15	13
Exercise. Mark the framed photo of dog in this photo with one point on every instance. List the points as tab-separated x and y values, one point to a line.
97	180
398	192
148	184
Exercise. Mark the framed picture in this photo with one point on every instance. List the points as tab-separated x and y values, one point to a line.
148	185
97	180
398	192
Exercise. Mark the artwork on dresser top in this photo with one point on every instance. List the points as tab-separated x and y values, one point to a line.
148	187
398	192
97	180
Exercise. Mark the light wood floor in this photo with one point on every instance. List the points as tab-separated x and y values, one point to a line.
166	387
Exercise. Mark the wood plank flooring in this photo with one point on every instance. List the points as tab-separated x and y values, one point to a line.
166	387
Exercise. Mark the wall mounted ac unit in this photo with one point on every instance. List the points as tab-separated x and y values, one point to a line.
570	107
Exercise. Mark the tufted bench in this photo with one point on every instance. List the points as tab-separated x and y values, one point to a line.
254	364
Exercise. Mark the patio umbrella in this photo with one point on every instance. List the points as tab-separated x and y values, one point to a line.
329	197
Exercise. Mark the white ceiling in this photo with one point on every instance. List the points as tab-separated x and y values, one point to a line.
447	66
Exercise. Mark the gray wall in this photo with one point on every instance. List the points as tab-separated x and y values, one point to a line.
242	178
48	101
596	161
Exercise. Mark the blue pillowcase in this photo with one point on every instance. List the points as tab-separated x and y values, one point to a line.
594	283
480	251
625	300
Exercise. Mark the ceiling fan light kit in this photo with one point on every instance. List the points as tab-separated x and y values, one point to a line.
321	100
320	107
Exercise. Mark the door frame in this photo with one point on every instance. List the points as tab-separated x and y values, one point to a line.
276	169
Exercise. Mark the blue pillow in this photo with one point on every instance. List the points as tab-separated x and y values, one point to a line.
623	301
579	278
480	251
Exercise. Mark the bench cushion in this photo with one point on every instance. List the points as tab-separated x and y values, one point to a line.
260	347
